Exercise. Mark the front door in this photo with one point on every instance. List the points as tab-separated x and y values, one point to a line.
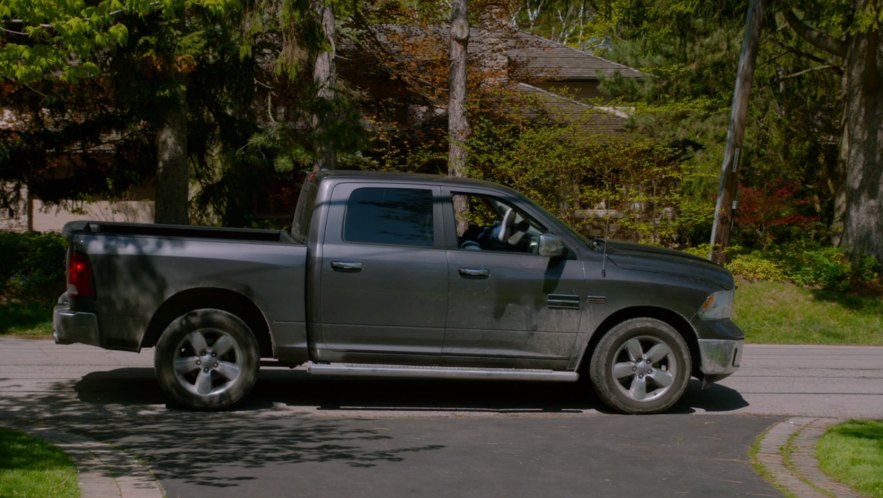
508	305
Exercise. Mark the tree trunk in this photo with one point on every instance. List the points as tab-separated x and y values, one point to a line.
861	147
864	142
458	126
172	168
324	77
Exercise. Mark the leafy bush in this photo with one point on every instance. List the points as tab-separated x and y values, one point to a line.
825	266
804	264
33	265
755	267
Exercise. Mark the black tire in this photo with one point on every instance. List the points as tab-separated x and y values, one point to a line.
641	365
207	359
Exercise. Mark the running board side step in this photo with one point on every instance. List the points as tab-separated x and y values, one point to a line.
418	372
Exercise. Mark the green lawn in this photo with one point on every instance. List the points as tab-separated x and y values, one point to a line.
781	313
30	467
852	453
31	319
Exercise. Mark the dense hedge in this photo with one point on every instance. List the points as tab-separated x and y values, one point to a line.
32	266
803	264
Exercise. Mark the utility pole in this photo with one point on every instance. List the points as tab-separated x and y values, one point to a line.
729	180
458	126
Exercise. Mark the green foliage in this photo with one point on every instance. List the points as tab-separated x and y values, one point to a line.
852	453
31	468
236	66
56	40
689	52
754	267
828	267
26	318
33	265
804	264
624	187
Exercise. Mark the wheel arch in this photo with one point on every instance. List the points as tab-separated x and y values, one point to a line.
676	320
215	298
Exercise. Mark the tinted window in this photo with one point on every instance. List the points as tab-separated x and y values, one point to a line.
389	216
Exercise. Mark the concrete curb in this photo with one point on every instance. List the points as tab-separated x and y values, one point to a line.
787	451
104	471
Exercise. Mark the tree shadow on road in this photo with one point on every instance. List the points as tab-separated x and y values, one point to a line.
291	418
285	388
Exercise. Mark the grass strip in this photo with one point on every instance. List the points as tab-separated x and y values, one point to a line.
852	453
31	467
26	319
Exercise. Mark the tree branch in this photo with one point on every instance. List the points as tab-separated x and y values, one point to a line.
816	38
810	70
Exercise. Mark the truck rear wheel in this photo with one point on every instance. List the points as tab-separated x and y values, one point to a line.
207	359
641	365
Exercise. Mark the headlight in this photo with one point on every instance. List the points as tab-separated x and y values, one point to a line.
717	306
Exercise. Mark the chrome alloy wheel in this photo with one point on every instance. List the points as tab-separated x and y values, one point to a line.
208	362
644	368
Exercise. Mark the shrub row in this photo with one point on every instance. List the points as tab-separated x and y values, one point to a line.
800	263
33	265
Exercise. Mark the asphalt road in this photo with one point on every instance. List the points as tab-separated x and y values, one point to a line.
298	436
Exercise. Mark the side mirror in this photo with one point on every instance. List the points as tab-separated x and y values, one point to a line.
550	246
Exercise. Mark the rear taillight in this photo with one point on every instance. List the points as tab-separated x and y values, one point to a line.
79	275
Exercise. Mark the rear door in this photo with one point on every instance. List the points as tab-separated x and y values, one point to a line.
383	274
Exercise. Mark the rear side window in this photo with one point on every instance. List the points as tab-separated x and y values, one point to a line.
400	216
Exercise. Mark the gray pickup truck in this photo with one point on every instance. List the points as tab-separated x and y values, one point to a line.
397	275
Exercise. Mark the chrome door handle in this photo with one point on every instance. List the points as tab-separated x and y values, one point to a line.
347	266
475	272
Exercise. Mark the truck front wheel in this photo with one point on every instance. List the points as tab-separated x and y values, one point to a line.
641	365
207	359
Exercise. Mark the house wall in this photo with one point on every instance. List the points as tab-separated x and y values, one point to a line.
51	218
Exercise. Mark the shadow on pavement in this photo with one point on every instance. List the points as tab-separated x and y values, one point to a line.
275	387
226	450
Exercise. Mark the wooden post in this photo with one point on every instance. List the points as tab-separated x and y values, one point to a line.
729	180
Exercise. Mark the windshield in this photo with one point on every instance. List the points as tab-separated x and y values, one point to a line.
564	226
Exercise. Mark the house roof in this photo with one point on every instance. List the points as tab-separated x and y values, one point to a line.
540	58
604	120
529	57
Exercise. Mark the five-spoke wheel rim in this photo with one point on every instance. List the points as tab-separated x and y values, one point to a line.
644	368
208	362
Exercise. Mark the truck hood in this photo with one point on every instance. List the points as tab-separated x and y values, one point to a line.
637	257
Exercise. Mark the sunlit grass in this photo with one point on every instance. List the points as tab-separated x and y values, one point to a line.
782	313
852	453
30	467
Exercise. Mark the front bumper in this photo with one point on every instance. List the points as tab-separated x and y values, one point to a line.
70	326
719	357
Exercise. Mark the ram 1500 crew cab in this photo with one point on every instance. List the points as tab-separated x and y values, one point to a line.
395	275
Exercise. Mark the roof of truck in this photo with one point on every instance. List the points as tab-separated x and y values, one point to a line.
384	176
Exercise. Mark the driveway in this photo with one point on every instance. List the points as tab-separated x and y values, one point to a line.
298	436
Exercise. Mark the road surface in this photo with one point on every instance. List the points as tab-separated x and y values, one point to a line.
298	436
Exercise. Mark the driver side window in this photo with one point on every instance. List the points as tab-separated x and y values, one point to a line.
487	223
